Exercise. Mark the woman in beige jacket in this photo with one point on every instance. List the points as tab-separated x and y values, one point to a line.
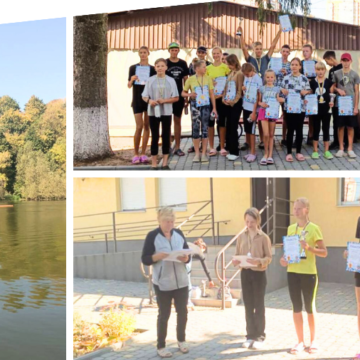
256	245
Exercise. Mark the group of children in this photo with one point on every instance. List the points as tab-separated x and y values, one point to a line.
221	91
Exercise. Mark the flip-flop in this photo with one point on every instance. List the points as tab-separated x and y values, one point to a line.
300	157
135	160
212	152
297	349
263	161
223	152
144	159
313	349
289	158
270	161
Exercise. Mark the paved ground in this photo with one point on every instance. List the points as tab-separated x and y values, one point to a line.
215	334
221	163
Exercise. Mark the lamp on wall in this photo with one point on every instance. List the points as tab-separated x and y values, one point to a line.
358	229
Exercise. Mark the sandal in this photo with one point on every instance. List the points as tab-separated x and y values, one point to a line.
212	152
251	158
191	149
300	157
135	160
263	161
183	347
289	158
246	156
270	161
223	152
164	353
144	159
313	349
297	349
179	152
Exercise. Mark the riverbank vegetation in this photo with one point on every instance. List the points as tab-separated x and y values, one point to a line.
32	149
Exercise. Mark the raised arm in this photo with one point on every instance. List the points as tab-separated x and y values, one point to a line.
242	43
273	44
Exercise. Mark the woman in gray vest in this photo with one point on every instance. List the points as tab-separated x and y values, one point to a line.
170	279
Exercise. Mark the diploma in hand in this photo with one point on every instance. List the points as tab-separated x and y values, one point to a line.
231	91
243	261
143	74
220	85
285	23
251	93
294	103
292	249
272	112
173	256
312	104
202	96
346	106
309	68
276	64
353	259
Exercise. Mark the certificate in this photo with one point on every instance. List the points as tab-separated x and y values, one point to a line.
353	260
309	68
285	23
276	65
243	261
292	249
143	73
312	104
251	93
173	256
346	106
220	85
231	91
293	101
272	112
202	96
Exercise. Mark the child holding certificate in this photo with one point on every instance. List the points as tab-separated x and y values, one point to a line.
322	87
256	245
266	118
202	93
252	83
218	72
347	84
302	275
295	87
232	105
139	105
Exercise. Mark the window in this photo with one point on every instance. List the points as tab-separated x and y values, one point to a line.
350	191
132	194
172	192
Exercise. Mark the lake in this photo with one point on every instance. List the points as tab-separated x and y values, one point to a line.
33	281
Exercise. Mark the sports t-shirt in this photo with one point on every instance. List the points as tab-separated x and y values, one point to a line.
323	107
177	70
255	80
346	82
308	265
302	68
217	71
137	90
264	64
192	70
332	71
193	81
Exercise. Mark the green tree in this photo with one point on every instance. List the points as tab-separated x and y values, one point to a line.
8	103
34	108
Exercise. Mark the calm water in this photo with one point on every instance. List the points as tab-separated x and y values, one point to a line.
32	281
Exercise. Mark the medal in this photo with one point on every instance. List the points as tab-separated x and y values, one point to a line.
321	90
321	100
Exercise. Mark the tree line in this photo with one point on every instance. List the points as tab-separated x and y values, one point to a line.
33	149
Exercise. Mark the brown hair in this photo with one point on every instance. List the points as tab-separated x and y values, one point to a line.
296	59
286	47
257	43
199	63
234	61
144	48
255	214
195	60
246	68
160	60
309	46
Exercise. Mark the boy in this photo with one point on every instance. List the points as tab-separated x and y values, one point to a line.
347	84
201	53
179	71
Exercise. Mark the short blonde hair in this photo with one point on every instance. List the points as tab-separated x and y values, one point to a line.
166	213
255	214
217	48
269	71
161	60
303	201
199	63
320	66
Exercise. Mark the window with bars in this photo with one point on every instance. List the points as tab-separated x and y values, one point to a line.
350	191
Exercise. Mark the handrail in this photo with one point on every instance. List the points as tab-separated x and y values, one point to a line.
221	254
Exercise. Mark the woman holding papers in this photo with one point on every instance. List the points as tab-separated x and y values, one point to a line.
160	93
170	278
218	72
295	87
300	261
232	105
253	248
269	100
138	75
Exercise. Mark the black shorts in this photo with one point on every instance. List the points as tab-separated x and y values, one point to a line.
250	127
178	107
357	280
220	110
140	108
348	121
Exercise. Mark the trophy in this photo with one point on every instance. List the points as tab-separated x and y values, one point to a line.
204	295
238	33
332	100
302	237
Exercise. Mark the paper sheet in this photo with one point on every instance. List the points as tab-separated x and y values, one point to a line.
243	261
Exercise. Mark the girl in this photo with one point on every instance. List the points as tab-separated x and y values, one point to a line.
256	244
216	70
322	87
170	278
160	93
252	83
302	276
232	105
140	107
202	93
268	125
295	83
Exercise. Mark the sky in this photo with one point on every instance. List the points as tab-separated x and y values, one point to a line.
33	60
318	9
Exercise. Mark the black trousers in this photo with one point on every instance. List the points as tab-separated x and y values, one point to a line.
165	134
253	285
164	299
295	123
335	114
232	115
324	120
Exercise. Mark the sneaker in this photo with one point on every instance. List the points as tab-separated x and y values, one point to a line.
283	142
164	353
315	155
351	154
340	154
334	146
204	158
261	146
245	147
257	345
248	343
232	157
196	158
328	155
